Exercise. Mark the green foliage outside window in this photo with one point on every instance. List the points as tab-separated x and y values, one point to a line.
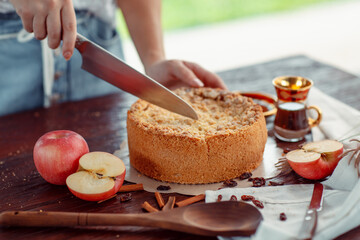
179	14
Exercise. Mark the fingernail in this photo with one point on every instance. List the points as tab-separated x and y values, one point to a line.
67	55
198	82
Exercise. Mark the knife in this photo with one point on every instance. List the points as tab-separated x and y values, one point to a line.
106	66
308	226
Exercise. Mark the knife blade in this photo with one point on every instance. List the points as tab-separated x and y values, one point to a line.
101	63
308	226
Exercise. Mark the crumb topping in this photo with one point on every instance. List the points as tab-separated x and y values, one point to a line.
219	112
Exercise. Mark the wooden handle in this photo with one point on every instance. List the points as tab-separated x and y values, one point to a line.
20	218
68	219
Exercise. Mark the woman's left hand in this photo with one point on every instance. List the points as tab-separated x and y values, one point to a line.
179	73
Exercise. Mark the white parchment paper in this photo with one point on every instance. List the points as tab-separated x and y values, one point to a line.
266	169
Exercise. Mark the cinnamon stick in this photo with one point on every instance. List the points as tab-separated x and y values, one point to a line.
131	188
191	200
159	200
169	204
148	207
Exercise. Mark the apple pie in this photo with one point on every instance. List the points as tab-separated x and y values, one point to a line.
227	140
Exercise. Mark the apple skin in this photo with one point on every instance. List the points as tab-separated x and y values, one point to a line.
57	153
319	168
119	180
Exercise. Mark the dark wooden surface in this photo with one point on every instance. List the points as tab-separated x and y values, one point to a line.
101	121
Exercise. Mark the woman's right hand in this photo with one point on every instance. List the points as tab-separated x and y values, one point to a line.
54	19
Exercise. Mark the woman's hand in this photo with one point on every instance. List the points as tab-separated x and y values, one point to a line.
54	19
178	73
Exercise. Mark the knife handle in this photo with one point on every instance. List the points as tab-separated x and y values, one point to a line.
309	224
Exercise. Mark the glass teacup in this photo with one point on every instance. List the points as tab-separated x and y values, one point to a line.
291	120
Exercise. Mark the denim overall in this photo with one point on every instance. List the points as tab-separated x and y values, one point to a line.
25	65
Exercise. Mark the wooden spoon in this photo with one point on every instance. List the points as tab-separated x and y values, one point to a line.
209	219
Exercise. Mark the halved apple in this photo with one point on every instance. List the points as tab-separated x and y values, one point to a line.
316	160
100	176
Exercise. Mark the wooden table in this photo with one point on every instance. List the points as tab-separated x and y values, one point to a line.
101	121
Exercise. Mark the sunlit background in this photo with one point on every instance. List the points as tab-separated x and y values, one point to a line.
223	34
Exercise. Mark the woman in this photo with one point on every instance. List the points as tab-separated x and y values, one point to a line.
32	75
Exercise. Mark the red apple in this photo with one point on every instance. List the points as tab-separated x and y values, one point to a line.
316	160
57	153
100	176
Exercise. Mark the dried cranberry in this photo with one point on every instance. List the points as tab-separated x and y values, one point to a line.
283	217
245	175
247	197
125	197
219	198
233	198
262	180
163	188
230	183
258	182
258	203
250	179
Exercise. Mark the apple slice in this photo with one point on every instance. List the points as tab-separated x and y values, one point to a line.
329	149
100	176
316	160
